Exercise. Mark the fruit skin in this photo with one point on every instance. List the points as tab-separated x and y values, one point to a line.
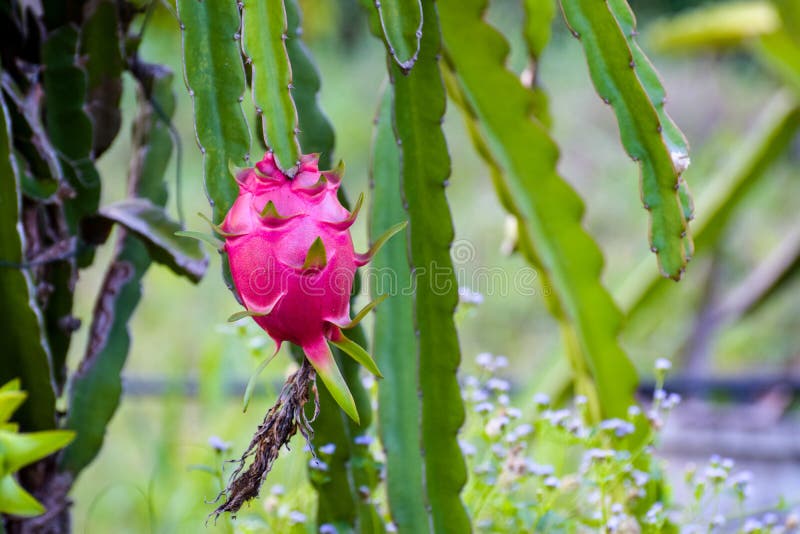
292	259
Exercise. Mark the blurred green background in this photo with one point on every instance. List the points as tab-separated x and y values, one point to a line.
146	478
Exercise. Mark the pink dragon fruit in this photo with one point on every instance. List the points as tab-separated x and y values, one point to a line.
293	263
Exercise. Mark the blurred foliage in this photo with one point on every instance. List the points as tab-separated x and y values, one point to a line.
743	166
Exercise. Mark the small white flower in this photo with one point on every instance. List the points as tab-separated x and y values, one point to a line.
599	454
538	470
718	521
672	400
663	364
654	513
551	482
581	400
498	384
278	489
257	342
514	413
368	381
499	451
391	527
327	528
616	508
471	381
640	478
218	444
317	464
659	394
364	439
541	399
467	448
468	296
634	411
752	525
716	474
727	463
328	448
484	407
500	362
523	430
619	427
770	519
503	399
496	425
557	417
485	360
740	481
297	517
479	395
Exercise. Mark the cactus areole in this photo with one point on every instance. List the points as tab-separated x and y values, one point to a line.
292	261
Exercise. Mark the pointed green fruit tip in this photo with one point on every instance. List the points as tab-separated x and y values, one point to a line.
271	212
363	259
336	174
200	236
244	313
316	258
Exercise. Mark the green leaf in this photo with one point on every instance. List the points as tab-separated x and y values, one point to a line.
31	140
215	77
393	339
25	354
251	383
722	25
99	45
319	354
20	450
68	124
15	500
748	164
419	106
549	210
673	137
782	54
9	402
355	351
401	23
539	16
96	385
11	386
612	69
152	225
263	31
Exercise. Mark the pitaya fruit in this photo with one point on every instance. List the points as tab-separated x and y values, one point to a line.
292	262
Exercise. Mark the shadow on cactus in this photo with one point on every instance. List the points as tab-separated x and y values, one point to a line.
287	239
